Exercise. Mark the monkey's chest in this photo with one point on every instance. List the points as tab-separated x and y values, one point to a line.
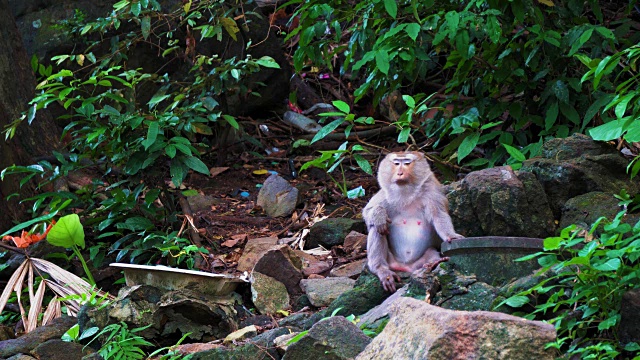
409	238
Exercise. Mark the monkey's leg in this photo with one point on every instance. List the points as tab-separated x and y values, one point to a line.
429	260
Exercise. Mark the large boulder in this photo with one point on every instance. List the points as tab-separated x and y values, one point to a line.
578	165
430	332
499	201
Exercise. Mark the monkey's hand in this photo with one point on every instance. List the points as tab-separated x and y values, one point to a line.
453	236
380	220
388	279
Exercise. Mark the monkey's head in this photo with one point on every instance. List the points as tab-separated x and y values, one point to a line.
403	168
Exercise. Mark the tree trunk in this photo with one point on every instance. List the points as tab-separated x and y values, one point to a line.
17	88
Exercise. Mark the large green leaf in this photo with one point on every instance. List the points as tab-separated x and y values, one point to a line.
468	144
67	232
327	129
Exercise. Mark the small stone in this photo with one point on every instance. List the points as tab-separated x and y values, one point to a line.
244	333
351	270
268	294
254	250
322	292
282	264
355	242
277	197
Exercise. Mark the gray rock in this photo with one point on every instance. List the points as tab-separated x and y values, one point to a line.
277	197
254	249
268	294
56	349
200	203
577	165
334	338
585	209
282	264
498	201
322	292
378	316
350	270
27	342
355	242
430	332
331	232
630	317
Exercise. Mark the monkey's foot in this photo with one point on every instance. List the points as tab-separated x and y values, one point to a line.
432	264
388	279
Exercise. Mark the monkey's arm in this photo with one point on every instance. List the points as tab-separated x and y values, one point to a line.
377	220
377	251
441	220
375	215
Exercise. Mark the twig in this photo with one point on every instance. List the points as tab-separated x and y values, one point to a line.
13	248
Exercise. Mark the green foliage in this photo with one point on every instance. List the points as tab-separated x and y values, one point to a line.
69	233
74	335
582	298
332	159
139	123
511	68
621	67
118	342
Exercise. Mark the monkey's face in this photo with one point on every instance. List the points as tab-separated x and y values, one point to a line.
402	167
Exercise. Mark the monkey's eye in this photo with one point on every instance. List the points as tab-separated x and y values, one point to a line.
396	162
407	161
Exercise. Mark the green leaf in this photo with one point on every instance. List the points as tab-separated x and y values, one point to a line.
583	39
327	129
608	131
190	192
611	265
621	107
156	99
145	25
232	121
231	27
382	61
178	171
67	232
515	153
152	134
209	103
392	7
268	62
136	223
561	91
552	115
412	30
609	322
570	113
196	164
517	301
363	163
403	136
135	8
170	150
342	106
467	145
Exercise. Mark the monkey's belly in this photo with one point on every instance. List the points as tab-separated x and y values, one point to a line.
409	239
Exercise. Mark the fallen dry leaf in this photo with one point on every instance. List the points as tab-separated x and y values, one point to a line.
214	171
230	243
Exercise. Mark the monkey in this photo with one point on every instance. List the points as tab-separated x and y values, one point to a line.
407	219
